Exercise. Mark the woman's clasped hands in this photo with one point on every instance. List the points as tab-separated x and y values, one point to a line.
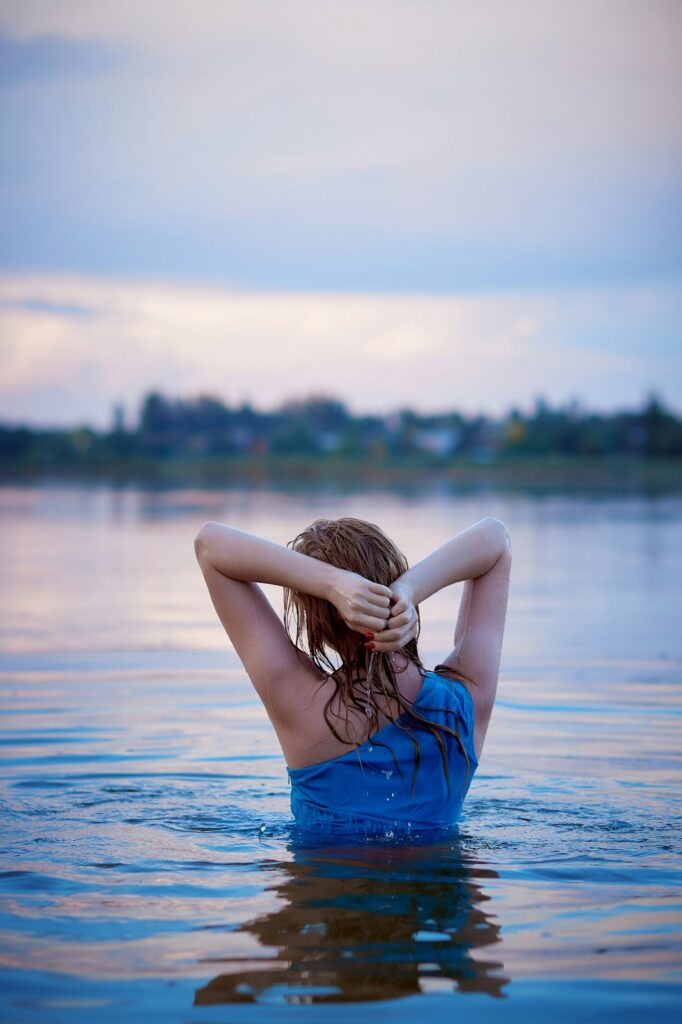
386	616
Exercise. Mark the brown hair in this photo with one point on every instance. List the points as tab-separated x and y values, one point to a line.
363	548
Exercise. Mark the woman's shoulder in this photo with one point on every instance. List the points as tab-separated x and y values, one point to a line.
463	686
447	672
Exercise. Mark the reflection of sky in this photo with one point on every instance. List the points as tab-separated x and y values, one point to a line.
465	196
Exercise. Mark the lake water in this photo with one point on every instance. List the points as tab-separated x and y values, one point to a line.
151	870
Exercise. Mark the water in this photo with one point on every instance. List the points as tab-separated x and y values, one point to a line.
150	867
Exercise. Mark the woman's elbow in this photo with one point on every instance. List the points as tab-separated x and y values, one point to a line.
201	540
501	533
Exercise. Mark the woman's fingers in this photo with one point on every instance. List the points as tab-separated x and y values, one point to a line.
366	599
373	607
368	608
363	623
391	636
396	621
404	637
381	612
397	632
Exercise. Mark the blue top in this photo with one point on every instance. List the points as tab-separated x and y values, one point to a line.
362	790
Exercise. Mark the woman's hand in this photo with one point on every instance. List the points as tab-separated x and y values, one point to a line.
403	623
364	606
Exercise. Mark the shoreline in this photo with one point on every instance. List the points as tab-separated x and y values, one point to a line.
524	473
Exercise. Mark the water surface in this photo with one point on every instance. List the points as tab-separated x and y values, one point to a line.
150	866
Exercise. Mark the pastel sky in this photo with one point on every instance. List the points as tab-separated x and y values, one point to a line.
436	204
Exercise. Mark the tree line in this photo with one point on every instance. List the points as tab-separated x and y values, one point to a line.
320	426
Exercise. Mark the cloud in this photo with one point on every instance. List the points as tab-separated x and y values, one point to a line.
37	305
50	56
376	352
387	146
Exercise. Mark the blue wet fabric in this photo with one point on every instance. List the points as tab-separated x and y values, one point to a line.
363	791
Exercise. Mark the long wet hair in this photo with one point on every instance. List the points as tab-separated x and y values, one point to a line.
361	547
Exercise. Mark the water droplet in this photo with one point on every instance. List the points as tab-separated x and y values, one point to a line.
386	772
318	927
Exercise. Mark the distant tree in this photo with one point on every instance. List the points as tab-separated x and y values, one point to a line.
118	418
157	429
16	442
662	431
156	415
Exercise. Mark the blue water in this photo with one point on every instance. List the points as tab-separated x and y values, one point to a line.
150	867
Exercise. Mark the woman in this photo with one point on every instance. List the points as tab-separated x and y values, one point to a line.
374	742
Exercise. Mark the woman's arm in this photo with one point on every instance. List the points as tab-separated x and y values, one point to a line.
363	605
233	563
467	556
481	557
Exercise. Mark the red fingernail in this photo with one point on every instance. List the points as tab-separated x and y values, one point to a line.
372	646
369	636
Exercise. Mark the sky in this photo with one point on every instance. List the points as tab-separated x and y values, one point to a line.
436	204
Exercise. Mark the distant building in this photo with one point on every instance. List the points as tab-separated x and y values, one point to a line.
329	440
199	443
393	423
488	443
242	438
437	440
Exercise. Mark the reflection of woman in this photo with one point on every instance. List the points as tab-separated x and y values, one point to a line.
370	922
377	741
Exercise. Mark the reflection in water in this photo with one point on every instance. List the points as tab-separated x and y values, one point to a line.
367	923
145	804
